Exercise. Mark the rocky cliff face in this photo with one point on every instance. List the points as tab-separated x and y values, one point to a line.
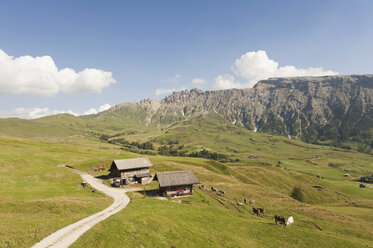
307	108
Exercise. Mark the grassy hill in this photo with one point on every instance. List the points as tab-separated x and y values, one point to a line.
37	197
217	221
261	167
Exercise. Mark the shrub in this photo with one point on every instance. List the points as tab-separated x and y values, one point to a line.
297	194
335	165
104	137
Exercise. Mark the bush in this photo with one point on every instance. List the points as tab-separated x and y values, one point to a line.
297	194
104	137
335	165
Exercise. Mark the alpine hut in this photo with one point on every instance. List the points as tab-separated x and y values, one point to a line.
133	170
177	183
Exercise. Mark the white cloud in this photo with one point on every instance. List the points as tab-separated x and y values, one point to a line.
99	109
227	81
162	92
199	81
174	80
256	66
33	113
40	76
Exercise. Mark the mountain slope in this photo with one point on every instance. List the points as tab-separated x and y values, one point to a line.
331	110
336	110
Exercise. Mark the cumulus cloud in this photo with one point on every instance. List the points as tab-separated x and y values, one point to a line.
40	76
174	80
99	109
199	81
255	66
227	81
34	113
162	92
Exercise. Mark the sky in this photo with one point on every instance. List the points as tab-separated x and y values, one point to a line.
82	57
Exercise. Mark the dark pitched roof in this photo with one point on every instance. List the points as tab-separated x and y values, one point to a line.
174	178
132	163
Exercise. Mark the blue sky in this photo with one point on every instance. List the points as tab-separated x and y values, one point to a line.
164	45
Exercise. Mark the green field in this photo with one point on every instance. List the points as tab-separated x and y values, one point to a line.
38	197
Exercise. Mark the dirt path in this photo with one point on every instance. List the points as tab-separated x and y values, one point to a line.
69	234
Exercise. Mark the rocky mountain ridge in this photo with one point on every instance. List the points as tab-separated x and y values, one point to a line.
307	108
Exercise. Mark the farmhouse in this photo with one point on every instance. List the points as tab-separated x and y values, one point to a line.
133	170
178	183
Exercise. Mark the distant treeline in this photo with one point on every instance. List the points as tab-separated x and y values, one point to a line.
142	146
171	151
106	137
367	179
165	150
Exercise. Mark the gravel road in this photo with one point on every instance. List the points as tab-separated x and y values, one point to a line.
69	234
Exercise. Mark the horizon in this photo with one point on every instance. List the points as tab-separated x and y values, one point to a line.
38	110
93	55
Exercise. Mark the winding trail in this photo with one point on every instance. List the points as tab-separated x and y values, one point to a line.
69	234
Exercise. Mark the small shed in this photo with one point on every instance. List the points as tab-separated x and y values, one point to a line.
133	170
177	183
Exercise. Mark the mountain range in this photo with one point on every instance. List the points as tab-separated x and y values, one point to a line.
334	110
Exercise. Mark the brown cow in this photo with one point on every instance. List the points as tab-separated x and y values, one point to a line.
261	210
256	211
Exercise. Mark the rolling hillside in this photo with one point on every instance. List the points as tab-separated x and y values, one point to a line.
264	168
204	132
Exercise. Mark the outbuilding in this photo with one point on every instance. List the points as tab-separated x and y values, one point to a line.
176	183
133	170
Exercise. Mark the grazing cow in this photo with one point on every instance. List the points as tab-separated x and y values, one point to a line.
280	219
252	202
222	192
213	189
290	221
256	211
261	210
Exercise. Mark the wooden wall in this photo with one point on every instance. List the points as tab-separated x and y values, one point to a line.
174	190
134	172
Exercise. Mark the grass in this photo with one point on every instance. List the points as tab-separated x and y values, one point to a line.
36	193
149	222
154	223
36	197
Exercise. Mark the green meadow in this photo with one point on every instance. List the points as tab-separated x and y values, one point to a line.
37	197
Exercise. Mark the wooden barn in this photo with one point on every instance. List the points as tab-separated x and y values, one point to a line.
176	183
133	170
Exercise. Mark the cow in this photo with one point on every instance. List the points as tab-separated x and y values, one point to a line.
280	219
213	189
290	221
261	210
222	192
252	202
245	201
256	211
